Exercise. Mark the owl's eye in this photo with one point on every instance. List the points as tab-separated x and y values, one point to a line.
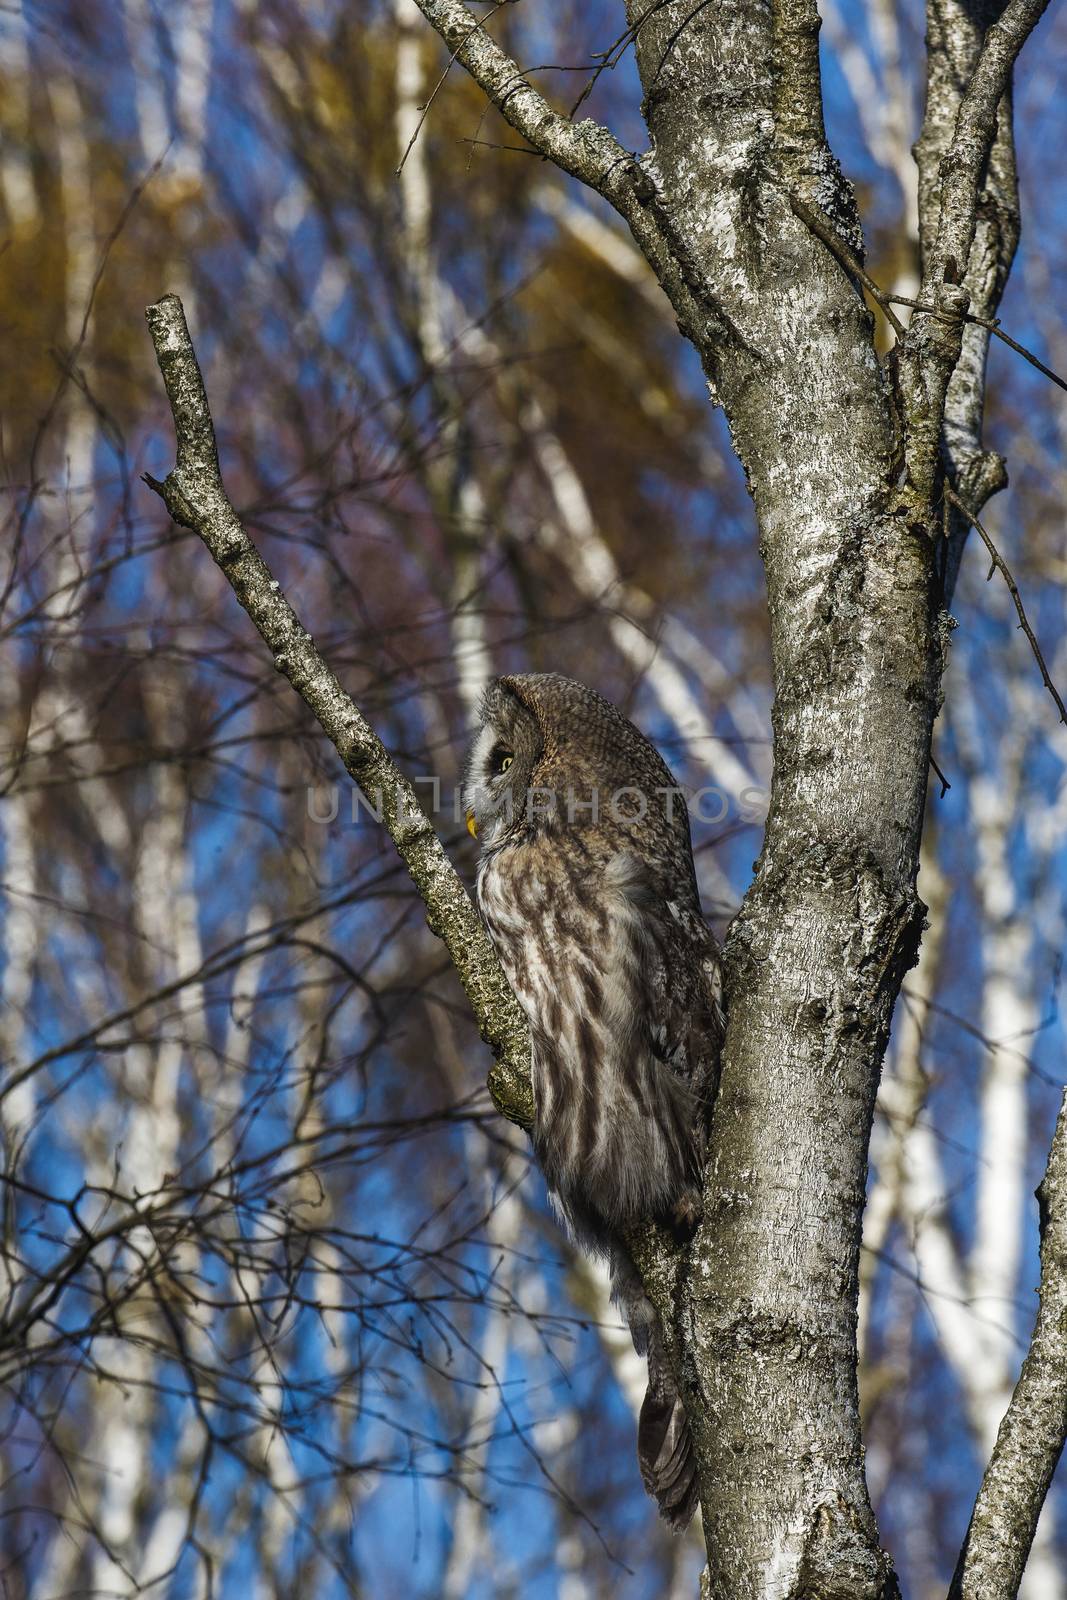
501	760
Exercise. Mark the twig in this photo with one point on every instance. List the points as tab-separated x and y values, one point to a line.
1000	565
71	357
991	324
1032	1433
578	148
195	497
586	150
610	58
822	229
945	785
478	23
515	149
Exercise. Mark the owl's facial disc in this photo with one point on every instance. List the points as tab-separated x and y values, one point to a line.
498	768
499	761
487	790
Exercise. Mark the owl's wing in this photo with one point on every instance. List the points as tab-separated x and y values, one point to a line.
679	972
676	961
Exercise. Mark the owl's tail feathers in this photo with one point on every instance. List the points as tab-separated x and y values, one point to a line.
665	1445
664	1442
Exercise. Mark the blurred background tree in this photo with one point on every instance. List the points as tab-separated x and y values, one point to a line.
284	1308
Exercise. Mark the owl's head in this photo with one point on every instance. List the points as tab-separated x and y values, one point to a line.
500	764
546	741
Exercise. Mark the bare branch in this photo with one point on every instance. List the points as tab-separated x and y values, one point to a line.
1032	1433
822	230
965	262
976	127
585	149
195	497
577	148
1000	565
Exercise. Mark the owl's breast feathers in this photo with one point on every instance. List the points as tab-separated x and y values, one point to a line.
617	974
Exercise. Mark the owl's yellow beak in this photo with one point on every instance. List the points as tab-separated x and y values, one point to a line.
472	825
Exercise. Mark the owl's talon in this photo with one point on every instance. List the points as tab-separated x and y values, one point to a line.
687	1214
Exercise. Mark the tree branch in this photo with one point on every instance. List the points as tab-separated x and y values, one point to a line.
195	497
1001	566
963	164
577	147
798	87
966	156
1032	1433
585	150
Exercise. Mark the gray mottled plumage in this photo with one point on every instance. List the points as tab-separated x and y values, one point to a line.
594	911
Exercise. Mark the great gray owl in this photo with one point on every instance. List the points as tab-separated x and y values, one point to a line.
587	887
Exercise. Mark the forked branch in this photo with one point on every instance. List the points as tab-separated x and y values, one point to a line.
964	161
